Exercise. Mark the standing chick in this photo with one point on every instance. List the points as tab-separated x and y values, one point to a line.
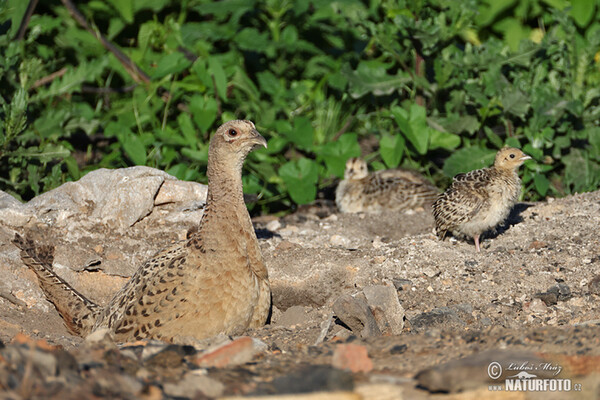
215	282
479	200
393	189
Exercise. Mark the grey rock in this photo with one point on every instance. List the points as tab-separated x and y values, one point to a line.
558	292
443	317
388	312
193	384
594	285
356	314
293	316
472	371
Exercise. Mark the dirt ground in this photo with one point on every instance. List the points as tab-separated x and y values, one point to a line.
532	291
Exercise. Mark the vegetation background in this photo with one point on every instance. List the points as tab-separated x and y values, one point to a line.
433	85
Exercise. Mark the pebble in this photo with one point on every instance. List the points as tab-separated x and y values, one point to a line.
239	351
193	384
537	306
443	317
352	357
594	285
339	241
273	225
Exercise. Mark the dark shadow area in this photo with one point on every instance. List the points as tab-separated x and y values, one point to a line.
262	233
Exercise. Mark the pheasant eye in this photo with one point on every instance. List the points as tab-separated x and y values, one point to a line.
512	156
232	132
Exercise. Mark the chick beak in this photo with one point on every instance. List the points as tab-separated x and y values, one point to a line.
525	157
258	139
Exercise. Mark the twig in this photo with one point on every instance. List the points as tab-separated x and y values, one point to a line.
344	128
25	21
132	69
48	78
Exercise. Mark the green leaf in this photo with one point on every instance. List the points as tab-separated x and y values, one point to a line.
300	178
204	112
468	159
302	133
172	63
413	125
219	76
443	140
134	148
125	8
391	149
582	11
541	184
336	153
372	77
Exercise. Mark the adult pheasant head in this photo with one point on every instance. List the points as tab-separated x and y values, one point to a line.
231	143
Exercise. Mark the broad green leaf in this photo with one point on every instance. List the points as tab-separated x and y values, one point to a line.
541	184
391	149
443	140
468	159
204	112
336	153
302	133
125	8
172	63
300	178
372	77
134	148
582	11
219	76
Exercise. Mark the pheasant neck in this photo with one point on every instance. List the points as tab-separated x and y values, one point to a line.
225	214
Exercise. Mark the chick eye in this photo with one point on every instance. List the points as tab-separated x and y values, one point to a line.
512	156
232	132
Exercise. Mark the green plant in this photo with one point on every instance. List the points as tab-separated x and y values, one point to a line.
434	85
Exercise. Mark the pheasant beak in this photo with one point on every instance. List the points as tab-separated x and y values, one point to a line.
525	157
258	139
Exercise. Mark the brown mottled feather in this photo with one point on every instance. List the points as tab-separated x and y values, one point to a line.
81	313
479	200
213	282
395	189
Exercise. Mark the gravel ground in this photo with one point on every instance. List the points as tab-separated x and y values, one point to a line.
531	293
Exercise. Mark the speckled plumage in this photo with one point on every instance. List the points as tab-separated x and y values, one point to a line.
479	200
394	189
214	282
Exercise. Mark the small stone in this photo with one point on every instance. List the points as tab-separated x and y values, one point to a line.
443	317
536	244
274	225
352	357
102	336
193	384
378	259
239	351
339	241
594	285
548	298
430	272
356	314
398	349
310	379
377	243
537	306
385	306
